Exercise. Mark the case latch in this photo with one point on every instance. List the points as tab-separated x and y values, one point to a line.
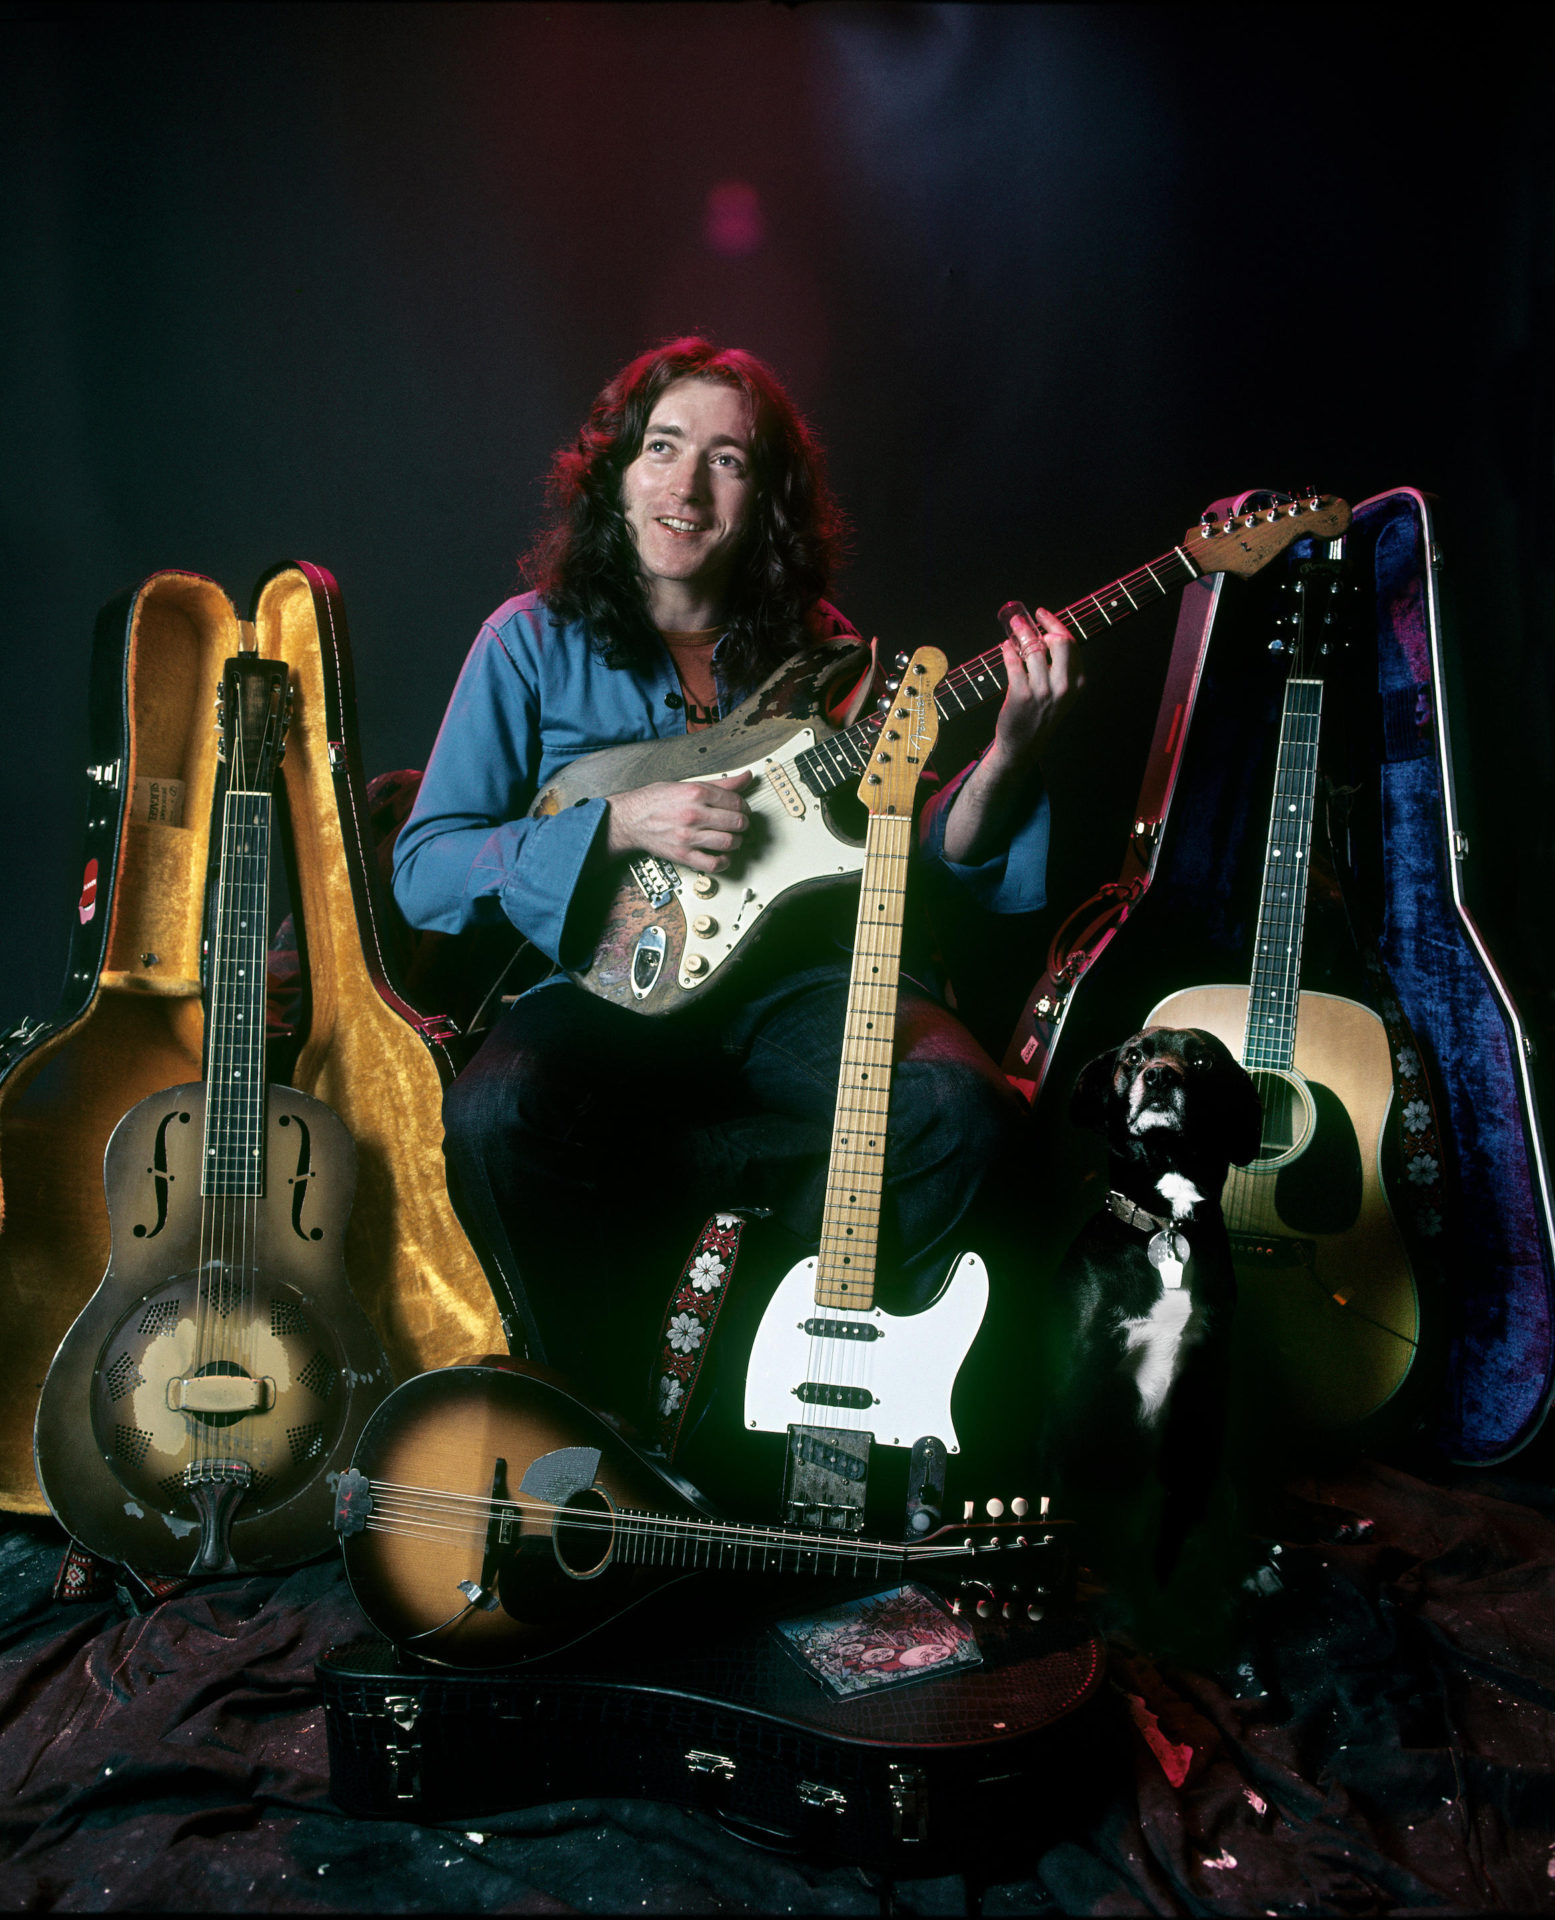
401	1745
909	1795
720	1765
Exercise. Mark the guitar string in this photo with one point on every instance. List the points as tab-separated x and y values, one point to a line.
422	1505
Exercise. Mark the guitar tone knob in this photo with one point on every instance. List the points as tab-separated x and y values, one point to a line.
695	963
704	925
704	886
1033	1612
984	1609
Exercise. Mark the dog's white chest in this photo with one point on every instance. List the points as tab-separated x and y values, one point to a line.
1153	1344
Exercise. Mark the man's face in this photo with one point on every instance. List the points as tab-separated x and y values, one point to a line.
687	496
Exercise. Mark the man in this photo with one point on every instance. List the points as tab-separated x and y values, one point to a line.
692	541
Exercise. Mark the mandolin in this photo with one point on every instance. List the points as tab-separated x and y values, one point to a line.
489	1517
207	1396
1322	1268
666	935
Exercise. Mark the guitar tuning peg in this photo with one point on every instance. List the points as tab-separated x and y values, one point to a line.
901	662
1276	646
883	704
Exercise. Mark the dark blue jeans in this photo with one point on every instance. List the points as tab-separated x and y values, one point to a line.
587	1145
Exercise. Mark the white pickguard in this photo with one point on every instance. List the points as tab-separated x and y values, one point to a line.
788	842
909	1370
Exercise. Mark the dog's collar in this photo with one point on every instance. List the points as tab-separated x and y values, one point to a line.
1124	1209
1168	1251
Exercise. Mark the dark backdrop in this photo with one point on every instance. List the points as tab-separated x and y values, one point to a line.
331	282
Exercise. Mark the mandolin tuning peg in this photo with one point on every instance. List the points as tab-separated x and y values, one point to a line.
994	1509
1020	1506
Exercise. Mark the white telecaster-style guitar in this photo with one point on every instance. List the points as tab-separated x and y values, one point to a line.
829	1369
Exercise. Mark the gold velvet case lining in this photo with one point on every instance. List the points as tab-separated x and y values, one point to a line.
142	1029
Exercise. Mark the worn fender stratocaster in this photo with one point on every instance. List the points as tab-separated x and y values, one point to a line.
208	1394
1322	1267
666	935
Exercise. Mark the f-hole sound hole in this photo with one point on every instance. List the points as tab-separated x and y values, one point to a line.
584	1533
1288	1118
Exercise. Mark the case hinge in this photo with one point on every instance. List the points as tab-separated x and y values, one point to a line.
437	1029
719	1764
337	756
830	1799
106	774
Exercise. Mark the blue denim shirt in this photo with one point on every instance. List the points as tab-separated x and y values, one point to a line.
534	696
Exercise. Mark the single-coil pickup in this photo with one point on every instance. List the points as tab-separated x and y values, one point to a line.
820	1393
842	1329
782	785
658	879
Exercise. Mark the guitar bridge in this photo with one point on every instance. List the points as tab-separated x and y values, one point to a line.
1273	1251
825	1477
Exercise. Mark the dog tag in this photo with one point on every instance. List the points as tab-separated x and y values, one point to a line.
1168	1252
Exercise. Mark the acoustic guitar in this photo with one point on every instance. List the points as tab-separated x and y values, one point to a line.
666	935
1324	1274
209	1393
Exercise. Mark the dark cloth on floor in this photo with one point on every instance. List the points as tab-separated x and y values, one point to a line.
1388	1747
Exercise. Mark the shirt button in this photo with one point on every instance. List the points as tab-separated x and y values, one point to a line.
673	700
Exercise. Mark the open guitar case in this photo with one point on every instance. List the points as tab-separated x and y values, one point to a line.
1463	1160
131	1020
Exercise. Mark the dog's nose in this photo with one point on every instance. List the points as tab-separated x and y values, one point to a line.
1160	1074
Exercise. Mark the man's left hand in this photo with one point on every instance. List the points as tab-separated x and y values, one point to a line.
1036	661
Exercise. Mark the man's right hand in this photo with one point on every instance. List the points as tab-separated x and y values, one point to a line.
695	823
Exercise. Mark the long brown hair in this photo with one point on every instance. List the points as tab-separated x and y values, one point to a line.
585	563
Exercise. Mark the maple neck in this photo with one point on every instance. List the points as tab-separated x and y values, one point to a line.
850	1221
843	756
1274	994
234	1159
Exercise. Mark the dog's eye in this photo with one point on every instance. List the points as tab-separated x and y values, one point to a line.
1131	1057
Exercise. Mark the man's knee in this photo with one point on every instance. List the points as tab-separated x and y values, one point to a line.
953	1112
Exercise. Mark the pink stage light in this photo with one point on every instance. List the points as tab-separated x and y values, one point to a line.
734	224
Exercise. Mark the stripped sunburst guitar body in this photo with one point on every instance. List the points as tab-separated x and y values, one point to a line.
666	935
214	1384
1325	1278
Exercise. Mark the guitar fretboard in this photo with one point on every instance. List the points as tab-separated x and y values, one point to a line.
649	1540
235	1067
850	1222
842	757
1274	996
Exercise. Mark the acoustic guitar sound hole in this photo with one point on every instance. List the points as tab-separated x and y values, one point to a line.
583	1543
1288	1118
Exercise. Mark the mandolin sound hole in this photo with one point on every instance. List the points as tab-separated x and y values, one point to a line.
583	1535
1288	1118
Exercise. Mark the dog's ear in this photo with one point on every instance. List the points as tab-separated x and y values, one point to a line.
1238	1109
1092	1090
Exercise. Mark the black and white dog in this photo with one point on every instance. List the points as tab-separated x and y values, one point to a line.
1146	1294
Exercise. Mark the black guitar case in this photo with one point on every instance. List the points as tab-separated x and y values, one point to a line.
698	1704
1464	1163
